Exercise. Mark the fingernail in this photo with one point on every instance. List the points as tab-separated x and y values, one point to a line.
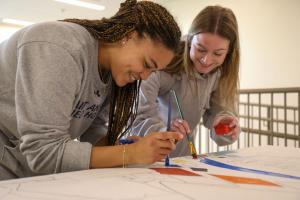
180	121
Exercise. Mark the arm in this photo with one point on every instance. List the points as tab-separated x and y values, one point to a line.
47	80
149	149
148	117
215	113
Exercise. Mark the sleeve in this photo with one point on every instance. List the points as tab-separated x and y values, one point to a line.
148	117
99	127
47	81
213	109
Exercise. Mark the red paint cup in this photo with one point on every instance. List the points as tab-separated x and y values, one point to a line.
222	128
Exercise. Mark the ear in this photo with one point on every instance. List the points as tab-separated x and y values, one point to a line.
129	36
132	35
123	41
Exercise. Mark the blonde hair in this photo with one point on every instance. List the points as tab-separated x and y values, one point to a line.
221	21
144	17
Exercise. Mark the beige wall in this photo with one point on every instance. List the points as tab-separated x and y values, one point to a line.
7	31
269	34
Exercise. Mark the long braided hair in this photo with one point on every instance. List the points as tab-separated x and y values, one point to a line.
144	17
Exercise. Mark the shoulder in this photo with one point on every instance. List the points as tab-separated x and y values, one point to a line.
159	81
161	77
60	33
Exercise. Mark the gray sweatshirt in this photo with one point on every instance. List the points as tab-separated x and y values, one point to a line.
195	102
50	94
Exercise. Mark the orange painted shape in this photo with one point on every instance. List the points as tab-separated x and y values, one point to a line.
175	171
245	180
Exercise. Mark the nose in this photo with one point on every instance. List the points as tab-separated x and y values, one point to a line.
145	74
207	60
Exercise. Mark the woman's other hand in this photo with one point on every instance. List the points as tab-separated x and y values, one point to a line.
232	122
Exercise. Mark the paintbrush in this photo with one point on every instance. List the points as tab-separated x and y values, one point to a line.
189	136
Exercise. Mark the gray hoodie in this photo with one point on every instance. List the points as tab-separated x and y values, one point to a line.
196	101
50	95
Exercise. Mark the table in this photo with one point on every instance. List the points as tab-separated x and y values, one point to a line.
267	172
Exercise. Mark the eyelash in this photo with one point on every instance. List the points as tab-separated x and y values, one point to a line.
216	54
203	51
146	65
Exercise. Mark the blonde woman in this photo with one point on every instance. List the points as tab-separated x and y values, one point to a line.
204	77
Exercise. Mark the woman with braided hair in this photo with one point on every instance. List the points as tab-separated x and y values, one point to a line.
79	79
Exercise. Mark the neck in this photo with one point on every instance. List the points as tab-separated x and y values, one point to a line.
103	56
103	62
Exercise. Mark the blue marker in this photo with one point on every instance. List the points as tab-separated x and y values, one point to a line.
167	161
126	141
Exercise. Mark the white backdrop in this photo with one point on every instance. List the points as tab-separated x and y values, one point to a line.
269	33
269	36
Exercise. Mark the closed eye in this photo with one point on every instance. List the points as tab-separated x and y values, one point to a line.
147	66
201	50
218	54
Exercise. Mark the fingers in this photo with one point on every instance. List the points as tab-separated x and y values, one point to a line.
225	119
234	126
168	135
234	133
166	144
151	149
164	140
155	146
182	126
164	152
234	122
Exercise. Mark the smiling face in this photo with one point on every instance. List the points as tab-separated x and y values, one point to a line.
134	58
208	51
